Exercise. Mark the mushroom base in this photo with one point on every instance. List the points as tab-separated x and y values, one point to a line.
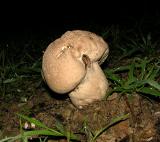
91	89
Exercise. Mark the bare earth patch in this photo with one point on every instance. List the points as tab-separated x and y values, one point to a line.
143	124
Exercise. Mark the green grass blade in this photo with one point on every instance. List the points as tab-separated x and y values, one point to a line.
154	74
131	77
150	91
28	134
151	69
59	126
48	130
41	132
10	80
37	123
143	69
33	120
121	69
154	84
114	77
120	89
11	139
128	53
114	121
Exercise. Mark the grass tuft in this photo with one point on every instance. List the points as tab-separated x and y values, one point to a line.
140	76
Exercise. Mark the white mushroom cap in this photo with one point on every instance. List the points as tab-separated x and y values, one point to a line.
62	71
93	87
87	43
66	65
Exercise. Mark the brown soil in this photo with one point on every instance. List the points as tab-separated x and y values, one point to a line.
143	124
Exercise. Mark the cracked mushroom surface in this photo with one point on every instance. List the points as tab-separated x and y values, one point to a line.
71	64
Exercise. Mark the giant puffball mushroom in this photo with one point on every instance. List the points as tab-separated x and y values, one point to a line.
70	64
92	88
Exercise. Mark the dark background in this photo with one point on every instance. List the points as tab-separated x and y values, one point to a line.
47	18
